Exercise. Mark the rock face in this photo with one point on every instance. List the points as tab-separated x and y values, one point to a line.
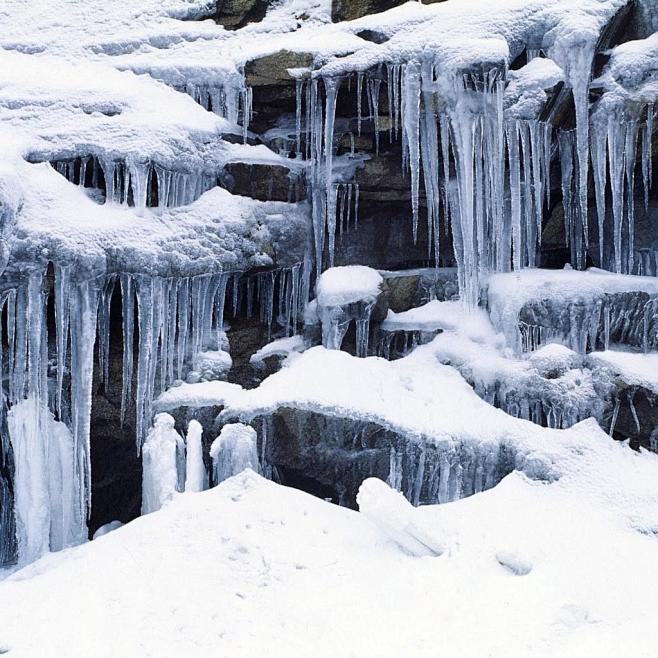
348	10
263	182
234	14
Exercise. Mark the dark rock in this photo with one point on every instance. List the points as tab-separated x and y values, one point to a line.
264	182
273	69
234	14
348	10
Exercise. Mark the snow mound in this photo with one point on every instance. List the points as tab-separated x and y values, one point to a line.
339	286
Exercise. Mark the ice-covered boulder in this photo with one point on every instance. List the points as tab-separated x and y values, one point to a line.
345	295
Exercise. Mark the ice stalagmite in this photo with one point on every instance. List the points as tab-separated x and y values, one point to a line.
196	478
160	464
49	514
234	450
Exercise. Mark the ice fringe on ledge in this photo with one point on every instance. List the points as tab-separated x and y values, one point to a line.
134	183
584	310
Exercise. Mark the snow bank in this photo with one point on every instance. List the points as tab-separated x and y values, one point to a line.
192	578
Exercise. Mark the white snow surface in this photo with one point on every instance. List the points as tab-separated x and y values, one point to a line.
339	286
445	316
250	564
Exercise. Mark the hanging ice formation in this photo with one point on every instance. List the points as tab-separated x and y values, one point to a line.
232	100
617	133
51	463
485	172
140	184
165	323
234	450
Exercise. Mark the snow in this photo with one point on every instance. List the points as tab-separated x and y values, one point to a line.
525	95
436	315
634	369
192	578
218	232
340	286
203	394
282	347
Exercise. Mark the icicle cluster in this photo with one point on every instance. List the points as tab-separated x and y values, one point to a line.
139	184
616	138
629	319
333	200
51	465
429	473
231	101
166	322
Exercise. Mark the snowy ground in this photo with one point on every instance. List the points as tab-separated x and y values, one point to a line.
528	570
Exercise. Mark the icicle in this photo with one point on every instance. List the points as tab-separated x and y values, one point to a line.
299	90
83	310
359	94
104	331
128	324
598	152
616	143
515	190
411	128
62	314
363	329
331	86
139	173
630	150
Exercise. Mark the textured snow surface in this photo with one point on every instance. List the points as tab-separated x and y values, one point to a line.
446	316
508	293
634	369
251	564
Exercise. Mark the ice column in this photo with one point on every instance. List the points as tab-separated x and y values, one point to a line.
233	451
160	463
196	478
